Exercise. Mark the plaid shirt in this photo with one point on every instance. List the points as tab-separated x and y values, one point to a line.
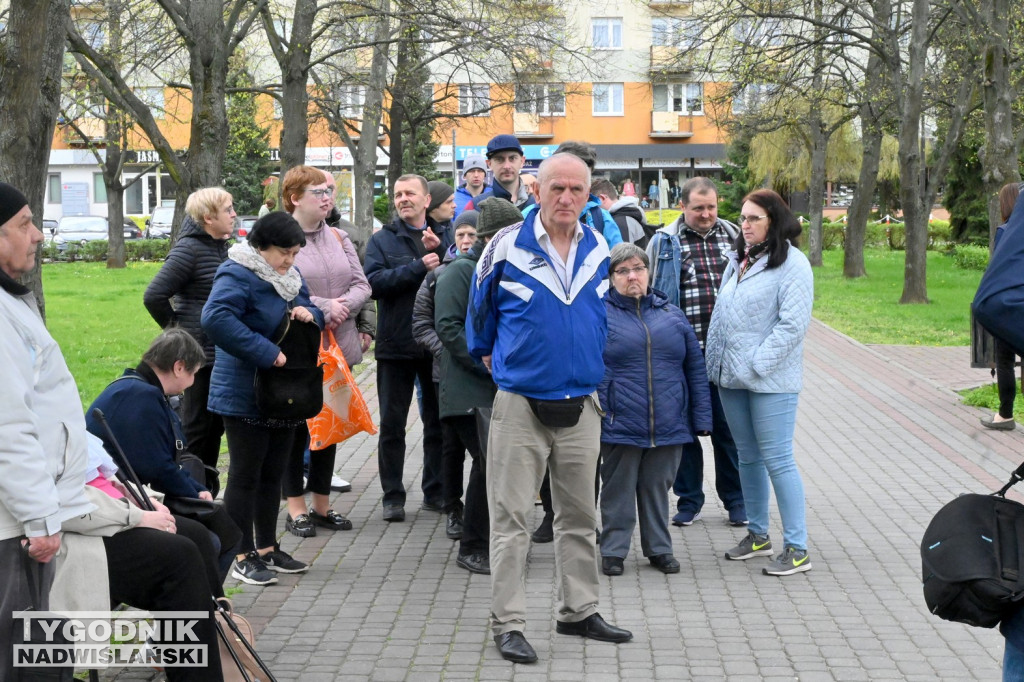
701	264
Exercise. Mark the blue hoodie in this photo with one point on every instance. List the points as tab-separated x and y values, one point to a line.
595	217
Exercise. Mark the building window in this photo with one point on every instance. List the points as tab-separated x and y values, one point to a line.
676	32
351	99
53	189
683	98
758	33
752	97
545	99
606	32
607	99
95	34
99	189
475	100
278	111
154	99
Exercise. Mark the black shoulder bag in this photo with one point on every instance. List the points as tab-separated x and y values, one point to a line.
294	391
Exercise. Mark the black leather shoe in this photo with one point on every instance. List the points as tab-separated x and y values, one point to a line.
474	563
453	528
331	520
611	565
666	563
594	627
394	512
545	532
428	505
513	647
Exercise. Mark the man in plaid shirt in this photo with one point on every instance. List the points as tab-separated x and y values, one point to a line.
687	261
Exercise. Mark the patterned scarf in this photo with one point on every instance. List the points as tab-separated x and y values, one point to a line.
287	285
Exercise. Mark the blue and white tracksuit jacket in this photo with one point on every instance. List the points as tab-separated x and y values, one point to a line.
544	342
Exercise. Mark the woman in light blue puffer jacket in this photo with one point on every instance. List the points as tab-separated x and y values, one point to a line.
754	354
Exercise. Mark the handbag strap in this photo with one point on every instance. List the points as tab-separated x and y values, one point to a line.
1016	477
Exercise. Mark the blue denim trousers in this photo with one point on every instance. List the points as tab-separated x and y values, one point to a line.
762	425
1013	656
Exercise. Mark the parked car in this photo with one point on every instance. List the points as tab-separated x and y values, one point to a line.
159	225
80	229
243	225
49	227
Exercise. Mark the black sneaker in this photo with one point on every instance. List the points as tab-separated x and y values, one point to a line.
282	562
301	526
332	520
252	570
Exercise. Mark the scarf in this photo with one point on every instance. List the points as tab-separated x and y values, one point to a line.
287	285
754	253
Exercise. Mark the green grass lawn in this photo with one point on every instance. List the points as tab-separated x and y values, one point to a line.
98	319
868	308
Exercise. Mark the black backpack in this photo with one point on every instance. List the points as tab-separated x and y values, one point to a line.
972	556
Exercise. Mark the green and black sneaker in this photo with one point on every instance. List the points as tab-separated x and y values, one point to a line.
751	546
791	561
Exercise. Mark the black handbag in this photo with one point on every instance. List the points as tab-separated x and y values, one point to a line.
972	556
294	391
37	635
192	507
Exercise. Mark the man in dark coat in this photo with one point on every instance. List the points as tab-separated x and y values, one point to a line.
398	257
176	296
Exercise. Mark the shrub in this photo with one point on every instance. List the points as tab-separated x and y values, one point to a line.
382	207
939	233
967	257
833	235
96	251
874	236
896	235
147	249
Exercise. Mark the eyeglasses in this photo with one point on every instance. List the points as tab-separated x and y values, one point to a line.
626	272
751	218
325	192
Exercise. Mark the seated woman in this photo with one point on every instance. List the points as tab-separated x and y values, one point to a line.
150	433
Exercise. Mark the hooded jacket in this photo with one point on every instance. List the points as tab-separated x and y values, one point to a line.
631	220
423	313
177	294
655	388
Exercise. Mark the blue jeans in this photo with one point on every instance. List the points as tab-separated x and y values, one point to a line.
762	425
1012	628
690	476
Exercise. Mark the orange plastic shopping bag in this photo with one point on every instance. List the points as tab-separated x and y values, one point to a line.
345	413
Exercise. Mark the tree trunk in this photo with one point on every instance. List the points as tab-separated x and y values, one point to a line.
816	187
115	192
294	63
863	198
998	156
396	112
31	58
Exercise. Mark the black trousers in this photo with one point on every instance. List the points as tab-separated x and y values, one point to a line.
15	565
218	539
1006	377
476	520
321	467
258	455
159	571
203	429
453	461
395	380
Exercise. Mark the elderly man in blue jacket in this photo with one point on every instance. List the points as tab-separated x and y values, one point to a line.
537	321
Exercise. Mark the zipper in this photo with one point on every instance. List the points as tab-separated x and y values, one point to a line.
650	375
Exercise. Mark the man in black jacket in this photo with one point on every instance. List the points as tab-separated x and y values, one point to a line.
176	297
398	257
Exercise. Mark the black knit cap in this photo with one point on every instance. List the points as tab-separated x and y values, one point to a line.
439	193
11	201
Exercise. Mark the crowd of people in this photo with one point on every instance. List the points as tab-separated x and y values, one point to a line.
544	328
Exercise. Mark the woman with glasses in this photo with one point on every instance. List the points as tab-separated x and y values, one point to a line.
330	267
656	399
754	355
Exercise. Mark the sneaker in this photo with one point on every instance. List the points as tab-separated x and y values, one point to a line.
751	546
339	484
738	517
282	562
252	570
685	518
332	520
791	561
301	526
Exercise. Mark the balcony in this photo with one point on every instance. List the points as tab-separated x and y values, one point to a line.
671	124
93	128
532	126
669	59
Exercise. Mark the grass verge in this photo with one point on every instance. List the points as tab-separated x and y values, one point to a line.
987	396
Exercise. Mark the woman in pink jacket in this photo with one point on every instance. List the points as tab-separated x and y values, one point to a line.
330	267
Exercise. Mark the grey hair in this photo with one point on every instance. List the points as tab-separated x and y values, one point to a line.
623	251
174	345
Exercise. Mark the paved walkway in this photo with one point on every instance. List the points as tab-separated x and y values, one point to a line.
882	442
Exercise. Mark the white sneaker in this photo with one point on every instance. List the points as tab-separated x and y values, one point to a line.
339	484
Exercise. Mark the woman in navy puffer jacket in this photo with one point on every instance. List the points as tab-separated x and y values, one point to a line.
656	399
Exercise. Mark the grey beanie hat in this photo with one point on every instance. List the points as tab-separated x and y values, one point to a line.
467	217
496	213
439	193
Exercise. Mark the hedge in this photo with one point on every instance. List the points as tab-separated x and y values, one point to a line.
96	251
